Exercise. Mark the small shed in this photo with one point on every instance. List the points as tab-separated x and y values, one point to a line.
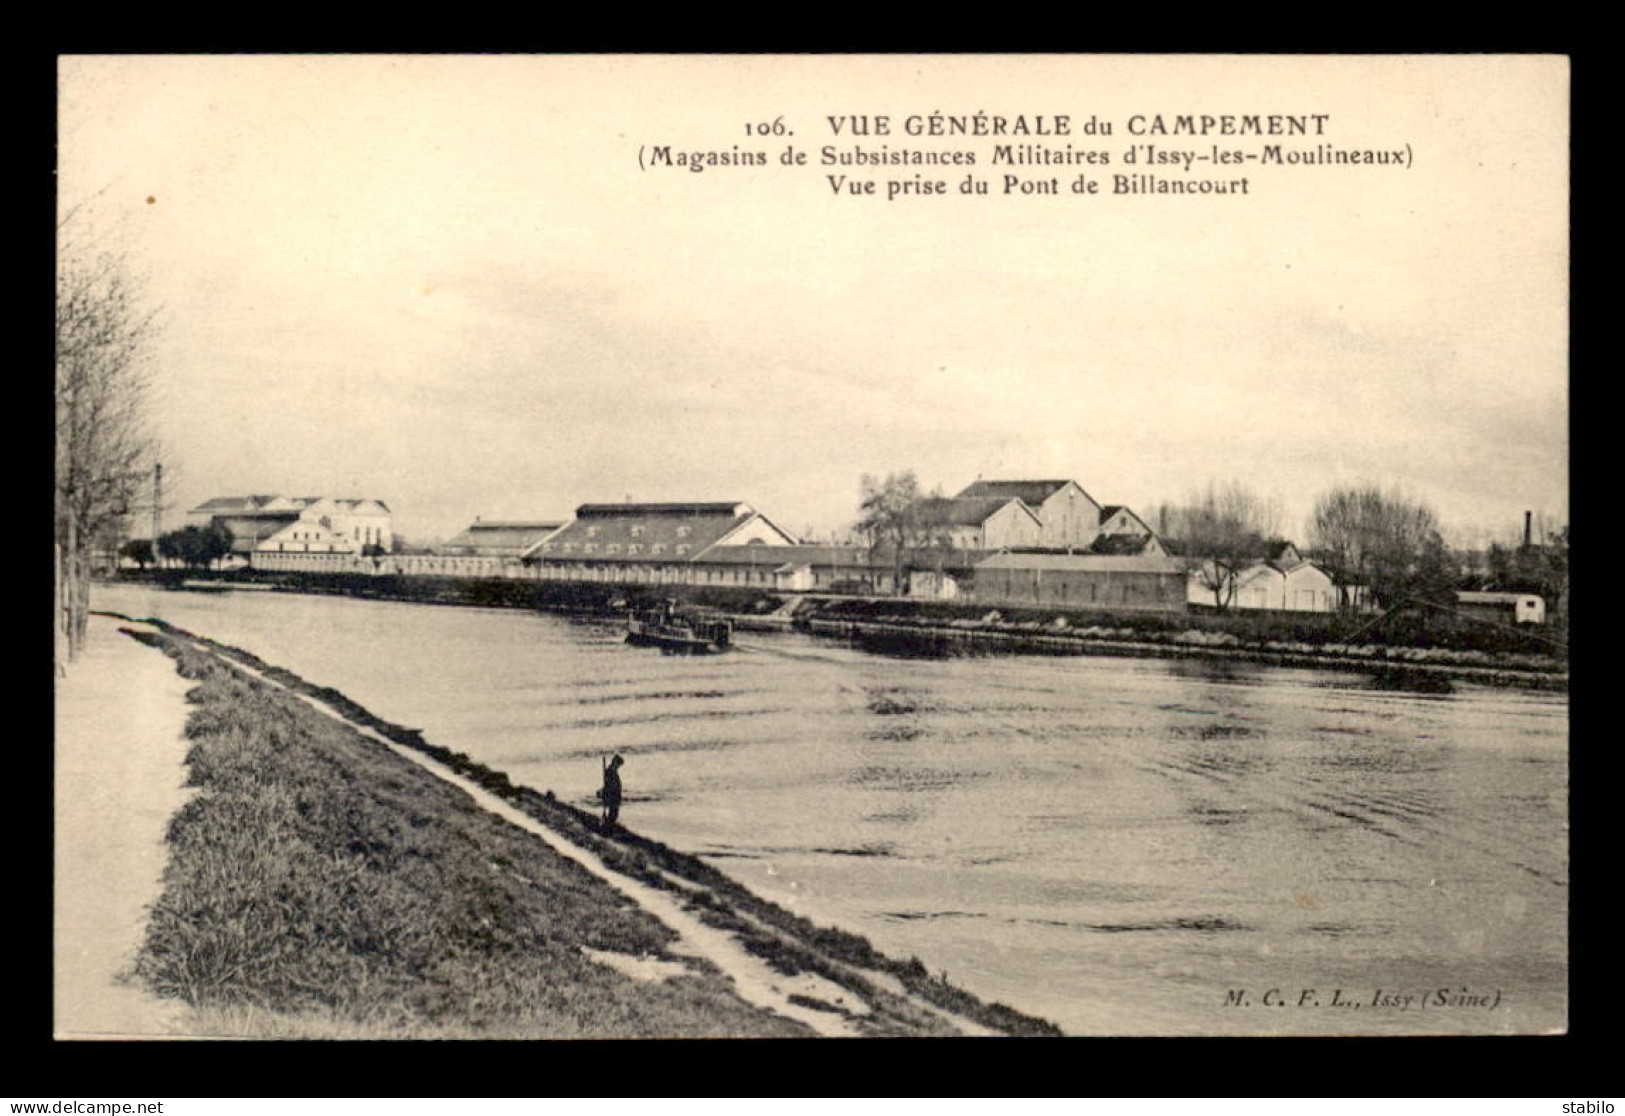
1506	607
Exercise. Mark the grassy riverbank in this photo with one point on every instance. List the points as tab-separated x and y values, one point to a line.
321	885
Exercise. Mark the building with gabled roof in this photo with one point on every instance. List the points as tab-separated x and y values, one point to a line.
979	522
308	536
1070	517
1119	519
617	534
1115	544
245	505
254	521
1033	493
1280	580
1282	554
250	520
1298	587
365	521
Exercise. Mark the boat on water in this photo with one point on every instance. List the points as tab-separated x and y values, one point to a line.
678	631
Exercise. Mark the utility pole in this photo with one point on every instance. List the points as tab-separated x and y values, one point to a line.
157	503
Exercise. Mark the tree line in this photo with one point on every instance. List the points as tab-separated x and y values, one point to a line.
1385	542
1379	543
199	547
194	547
104	446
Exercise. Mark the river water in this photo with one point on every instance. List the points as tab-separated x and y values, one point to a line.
1122	846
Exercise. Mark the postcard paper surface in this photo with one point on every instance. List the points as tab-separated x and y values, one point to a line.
431	310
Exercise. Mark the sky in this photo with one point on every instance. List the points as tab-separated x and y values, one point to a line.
468	286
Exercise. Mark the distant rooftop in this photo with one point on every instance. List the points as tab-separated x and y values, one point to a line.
273	504
1030	492
222	505
650	532
1119	544
713	508
501	535
962	511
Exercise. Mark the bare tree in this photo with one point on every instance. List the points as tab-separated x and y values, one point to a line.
103	448
1217	532
1383	539
893	518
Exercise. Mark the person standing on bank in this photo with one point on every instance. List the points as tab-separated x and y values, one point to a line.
610	795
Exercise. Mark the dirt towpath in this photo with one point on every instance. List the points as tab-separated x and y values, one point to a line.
119	773
754	980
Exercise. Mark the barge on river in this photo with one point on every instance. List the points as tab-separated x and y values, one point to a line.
678	631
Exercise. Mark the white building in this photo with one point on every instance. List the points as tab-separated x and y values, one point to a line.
980	523
1514	608
1068	516
307	536
310	524
1284	581
365	522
